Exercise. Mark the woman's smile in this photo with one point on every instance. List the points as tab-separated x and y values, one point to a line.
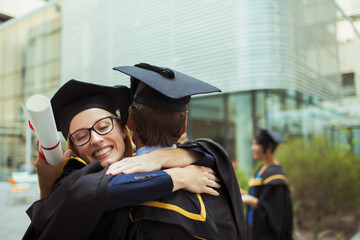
102	152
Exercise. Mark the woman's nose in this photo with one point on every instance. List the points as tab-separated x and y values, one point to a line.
96	138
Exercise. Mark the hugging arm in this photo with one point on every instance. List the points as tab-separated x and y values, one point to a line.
180	174
132	189
160	159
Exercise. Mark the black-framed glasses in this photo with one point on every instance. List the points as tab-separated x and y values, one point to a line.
102	126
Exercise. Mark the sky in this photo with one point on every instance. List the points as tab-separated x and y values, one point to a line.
18	8
350	7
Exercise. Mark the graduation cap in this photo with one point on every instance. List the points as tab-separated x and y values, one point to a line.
163	88
265	132
76	96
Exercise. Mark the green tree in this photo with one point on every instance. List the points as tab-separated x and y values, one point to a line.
323	178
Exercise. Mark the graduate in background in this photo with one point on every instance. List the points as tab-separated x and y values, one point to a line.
269	204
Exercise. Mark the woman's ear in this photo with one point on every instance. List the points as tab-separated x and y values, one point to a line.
70	146
124	133
269	150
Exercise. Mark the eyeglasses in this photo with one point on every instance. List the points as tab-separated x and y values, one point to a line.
102	126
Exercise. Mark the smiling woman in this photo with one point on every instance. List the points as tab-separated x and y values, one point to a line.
106	145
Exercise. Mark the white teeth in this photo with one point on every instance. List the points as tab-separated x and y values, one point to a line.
102	152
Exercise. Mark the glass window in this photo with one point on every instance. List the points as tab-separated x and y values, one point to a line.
260	108
52	73
2	54
29	80
8	87
345	31
17	84
9	110
52	44
9	50
348	84
206	115
274	105
241	129
38	78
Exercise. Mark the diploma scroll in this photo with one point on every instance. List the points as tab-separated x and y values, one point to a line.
42	119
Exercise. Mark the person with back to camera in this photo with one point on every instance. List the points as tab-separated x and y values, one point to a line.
269	203
160	100
84	203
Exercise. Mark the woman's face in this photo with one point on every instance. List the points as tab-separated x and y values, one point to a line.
107	148
257	150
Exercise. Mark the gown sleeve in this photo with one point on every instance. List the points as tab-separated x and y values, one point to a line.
206	159
131	189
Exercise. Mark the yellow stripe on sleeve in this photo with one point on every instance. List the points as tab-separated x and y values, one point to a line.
172	207
255	182
276	176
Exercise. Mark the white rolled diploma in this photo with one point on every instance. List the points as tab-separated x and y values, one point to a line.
42	119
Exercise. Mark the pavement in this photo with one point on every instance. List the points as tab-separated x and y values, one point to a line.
13	219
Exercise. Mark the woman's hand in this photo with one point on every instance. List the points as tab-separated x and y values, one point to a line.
243	192
153	161
194	179
250	200
47	174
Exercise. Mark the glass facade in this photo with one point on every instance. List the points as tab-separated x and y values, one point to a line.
235	45
345	128
231	119
289	45
29	64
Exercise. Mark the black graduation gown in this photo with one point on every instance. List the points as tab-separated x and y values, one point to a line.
181	215
228	208
76	210
75	207
225	211
273	218
87	220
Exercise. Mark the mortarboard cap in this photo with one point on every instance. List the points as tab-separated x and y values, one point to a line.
76	96
274	136
163	88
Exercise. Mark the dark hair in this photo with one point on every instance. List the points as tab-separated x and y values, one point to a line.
264	139
157	127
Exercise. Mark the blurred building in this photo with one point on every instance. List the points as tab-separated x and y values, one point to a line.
29	64
277	62
348	126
